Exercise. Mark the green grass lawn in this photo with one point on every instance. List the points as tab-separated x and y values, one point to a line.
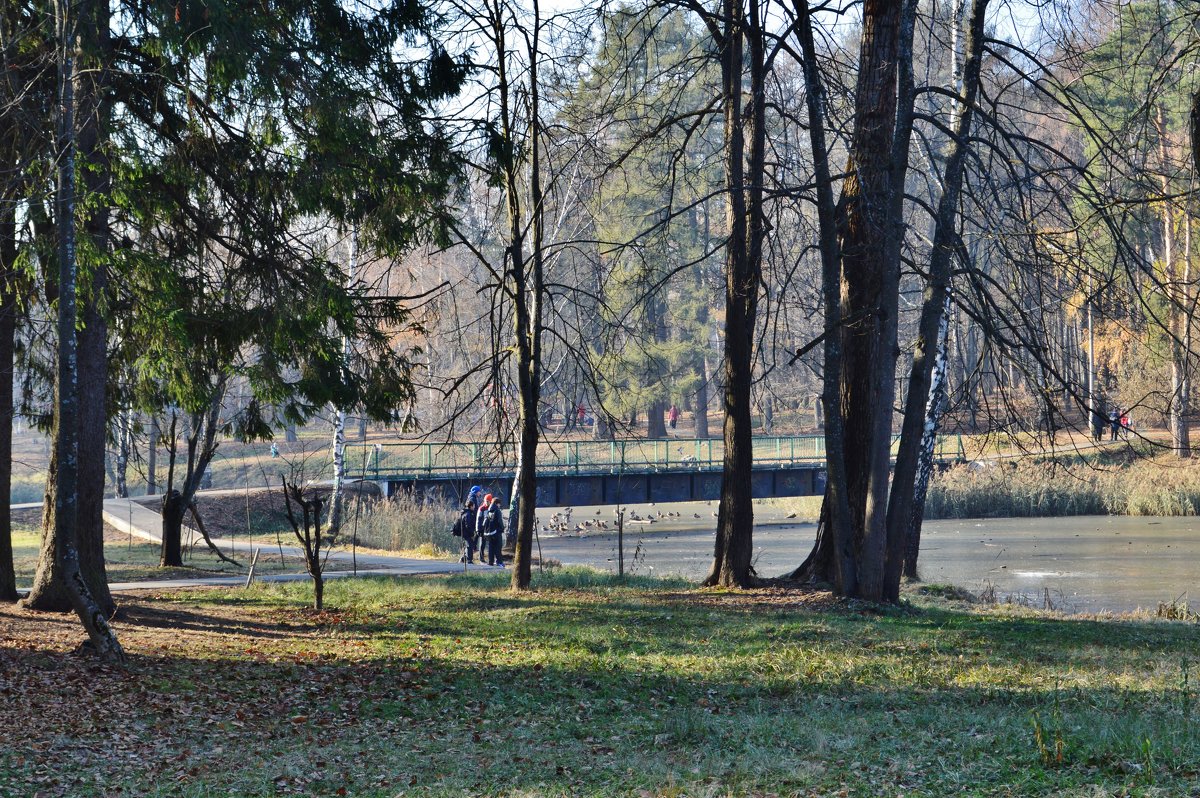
133	559
590	687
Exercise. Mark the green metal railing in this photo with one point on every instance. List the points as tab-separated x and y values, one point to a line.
412	460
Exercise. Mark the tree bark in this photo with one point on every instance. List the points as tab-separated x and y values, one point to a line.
152	457
701	426
67	395
1179	322
922	405
172	510
870	234
201	446
93	337
745	145
124	439
526	281
933	416
93	417
655	425
603	425
1195	130
834	550
52	589
8	327
336	498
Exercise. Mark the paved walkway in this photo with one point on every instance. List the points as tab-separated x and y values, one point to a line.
132	518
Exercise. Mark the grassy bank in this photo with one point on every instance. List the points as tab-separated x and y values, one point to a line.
1162	485
590	687
129	559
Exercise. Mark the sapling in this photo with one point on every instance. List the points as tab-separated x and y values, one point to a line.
308	532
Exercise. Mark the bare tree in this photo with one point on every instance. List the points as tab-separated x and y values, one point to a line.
308	532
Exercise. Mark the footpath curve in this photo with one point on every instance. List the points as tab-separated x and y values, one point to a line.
132	518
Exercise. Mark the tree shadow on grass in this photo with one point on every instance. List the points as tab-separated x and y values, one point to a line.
183	618
436	723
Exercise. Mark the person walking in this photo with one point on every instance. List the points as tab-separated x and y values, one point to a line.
673	416
1114	423
481	521
491	531
464	528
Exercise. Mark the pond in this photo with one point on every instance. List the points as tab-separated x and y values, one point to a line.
1076	564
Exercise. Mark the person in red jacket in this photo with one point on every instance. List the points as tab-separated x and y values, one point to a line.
491	531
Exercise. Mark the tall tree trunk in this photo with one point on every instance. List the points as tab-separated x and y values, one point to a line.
701	425
8	327
833	556
1194	126
744	168
93	337
871	232
527	284
152	457
93	417
67	395
923	403
604	425
172	510
124	440
655	425
1179	323
339	415
51	589
933	416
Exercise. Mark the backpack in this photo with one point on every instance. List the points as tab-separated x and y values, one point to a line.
494	522
463	523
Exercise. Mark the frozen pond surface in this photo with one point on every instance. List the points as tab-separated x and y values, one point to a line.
1087	563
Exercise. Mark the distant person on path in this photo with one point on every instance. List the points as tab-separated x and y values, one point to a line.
481	525
580	414
1125	424
1097	426
673	416
491	531
1114	423
464	528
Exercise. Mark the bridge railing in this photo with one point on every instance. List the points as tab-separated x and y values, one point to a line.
401	460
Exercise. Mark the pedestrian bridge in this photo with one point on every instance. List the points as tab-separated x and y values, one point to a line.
579	472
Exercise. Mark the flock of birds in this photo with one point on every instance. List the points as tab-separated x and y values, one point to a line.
562	523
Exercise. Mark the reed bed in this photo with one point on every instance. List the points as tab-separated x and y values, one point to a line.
1161	486
406	523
